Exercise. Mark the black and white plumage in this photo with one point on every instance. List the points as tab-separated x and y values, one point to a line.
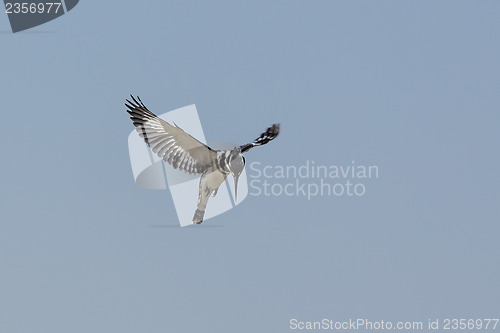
264	138
186	153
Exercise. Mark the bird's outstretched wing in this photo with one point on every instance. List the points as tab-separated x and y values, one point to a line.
169	142
271	133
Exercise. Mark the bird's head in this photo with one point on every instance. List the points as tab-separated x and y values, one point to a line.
236	164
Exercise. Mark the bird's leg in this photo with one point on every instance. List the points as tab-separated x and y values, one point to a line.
198	216
215	192
207	191
203	196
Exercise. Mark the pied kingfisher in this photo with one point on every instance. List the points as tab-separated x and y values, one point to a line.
186	153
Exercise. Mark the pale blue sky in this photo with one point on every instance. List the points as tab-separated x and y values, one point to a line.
411	87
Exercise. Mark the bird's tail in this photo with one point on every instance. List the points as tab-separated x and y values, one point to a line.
270	134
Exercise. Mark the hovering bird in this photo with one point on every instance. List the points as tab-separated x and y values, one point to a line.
186	153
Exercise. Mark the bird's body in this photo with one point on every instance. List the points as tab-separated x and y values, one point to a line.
186	153
209	183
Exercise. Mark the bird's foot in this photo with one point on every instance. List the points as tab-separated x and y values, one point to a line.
198	216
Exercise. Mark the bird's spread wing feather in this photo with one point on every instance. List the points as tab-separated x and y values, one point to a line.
271	133
169	142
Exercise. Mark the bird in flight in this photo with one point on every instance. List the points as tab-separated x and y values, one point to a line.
188	154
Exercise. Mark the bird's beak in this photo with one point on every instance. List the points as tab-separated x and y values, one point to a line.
236	188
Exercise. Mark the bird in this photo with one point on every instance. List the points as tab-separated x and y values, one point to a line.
184	152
